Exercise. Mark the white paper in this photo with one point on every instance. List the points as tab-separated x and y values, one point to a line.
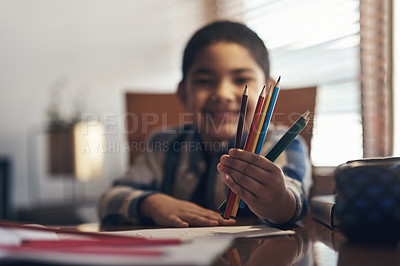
200	232
14	236
200	246
8	238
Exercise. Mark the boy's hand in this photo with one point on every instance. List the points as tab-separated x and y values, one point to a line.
169	211
259	183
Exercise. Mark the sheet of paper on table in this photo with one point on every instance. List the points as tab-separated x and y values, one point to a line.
199	246
15	236
200	232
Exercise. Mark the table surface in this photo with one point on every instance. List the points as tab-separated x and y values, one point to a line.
313	244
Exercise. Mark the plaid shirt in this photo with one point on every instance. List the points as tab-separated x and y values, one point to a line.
174	163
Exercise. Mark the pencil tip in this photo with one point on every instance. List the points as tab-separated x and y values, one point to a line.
307	113
263	91
277	82
245	90
308	118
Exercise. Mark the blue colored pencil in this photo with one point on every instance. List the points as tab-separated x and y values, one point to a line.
270	110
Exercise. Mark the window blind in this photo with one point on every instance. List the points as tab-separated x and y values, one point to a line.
314	42
343	47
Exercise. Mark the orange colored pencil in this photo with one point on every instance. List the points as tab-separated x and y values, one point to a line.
256	116
235	207
261	119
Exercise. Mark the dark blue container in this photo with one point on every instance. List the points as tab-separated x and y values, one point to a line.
368	199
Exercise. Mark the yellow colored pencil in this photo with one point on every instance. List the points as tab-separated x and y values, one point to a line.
261	119
235	207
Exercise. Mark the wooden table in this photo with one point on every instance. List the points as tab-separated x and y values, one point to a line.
313	244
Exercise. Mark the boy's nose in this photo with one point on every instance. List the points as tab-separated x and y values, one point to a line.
225	91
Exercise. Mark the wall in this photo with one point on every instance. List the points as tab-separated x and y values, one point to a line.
94	50
396	75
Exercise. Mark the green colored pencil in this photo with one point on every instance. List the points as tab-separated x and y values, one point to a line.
289	136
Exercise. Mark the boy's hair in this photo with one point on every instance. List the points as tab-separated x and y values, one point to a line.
226	31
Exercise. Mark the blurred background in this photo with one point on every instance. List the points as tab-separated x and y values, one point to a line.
64	62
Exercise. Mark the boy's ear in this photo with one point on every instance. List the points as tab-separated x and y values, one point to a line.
182	95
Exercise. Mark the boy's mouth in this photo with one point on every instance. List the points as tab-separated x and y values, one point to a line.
220	116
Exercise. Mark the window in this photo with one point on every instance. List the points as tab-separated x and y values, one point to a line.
317	43
345	48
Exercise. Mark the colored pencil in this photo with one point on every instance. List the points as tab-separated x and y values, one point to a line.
254	122
88	250
233	257
281	145
235	207
71	231
268	117
239	133
232	196
286	139
261	120
242	117
111	241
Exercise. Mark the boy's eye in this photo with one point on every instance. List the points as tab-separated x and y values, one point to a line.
202	81
242	80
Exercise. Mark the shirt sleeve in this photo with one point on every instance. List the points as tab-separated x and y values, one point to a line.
119	204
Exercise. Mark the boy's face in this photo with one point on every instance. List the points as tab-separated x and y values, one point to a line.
214	86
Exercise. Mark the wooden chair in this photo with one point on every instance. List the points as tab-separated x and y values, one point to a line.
148	112
292	103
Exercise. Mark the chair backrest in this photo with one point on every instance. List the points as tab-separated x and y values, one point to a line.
147	112
292	103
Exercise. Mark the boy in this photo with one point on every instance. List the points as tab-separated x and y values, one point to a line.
183	187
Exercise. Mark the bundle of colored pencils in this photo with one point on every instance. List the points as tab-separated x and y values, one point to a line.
256	137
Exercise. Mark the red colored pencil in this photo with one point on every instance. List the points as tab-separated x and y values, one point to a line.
59	230
64	230
253	127
99	242
100	250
